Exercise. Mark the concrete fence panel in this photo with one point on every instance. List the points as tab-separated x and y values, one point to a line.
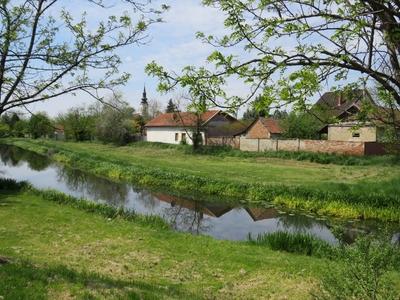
268	145
288	145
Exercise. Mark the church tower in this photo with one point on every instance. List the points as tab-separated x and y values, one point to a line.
144	105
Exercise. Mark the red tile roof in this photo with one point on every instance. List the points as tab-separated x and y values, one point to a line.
186	119
271	124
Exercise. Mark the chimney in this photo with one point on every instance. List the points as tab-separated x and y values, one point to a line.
340	99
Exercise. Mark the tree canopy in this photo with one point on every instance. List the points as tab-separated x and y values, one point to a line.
46	52
293	48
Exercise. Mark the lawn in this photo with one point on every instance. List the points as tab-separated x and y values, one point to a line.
60	252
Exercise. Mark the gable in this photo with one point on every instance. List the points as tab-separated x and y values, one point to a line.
258	131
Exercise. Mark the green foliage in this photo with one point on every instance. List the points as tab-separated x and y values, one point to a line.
171	107
4	130
78	123
299	243
300	126
40	125
115	123
54	44
286	62
364	272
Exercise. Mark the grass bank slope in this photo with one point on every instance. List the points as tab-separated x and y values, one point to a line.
359	191
59	251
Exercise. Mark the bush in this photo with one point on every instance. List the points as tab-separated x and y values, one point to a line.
363	271
295	243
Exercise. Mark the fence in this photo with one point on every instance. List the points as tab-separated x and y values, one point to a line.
233	142
322	146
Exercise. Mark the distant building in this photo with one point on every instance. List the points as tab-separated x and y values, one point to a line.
263	128
355	132
341	111
173	128
342	106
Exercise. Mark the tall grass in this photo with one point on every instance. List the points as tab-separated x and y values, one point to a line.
299	243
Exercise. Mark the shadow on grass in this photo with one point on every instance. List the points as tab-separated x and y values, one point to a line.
5	199
24	280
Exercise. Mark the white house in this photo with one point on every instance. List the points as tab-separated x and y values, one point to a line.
172	128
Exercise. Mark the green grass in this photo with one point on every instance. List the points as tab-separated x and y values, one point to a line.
370	191
295	243
59	251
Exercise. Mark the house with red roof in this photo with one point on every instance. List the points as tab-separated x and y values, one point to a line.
263	128
173	128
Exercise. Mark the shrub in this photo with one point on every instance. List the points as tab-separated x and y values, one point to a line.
363	272
295	243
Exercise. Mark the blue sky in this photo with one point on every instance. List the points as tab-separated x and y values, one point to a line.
172	44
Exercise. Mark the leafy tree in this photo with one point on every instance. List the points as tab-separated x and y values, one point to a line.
171	107
115	123
250	114
20	128
4	129
292	46
78	123
39	125
300	126
46	53
138	124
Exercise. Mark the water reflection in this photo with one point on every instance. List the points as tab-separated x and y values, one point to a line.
96	187
221	221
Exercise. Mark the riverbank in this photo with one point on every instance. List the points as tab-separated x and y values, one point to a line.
370	191
54	250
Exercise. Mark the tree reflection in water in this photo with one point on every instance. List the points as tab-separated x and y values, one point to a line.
147	199
300	223
185	219
97	188
14	156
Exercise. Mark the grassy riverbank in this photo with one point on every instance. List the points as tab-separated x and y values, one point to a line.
58	251
370	190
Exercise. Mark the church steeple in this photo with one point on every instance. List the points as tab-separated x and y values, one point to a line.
144	97
144	105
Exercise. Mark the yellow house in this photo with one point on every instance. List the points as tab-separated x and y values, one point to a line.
354	132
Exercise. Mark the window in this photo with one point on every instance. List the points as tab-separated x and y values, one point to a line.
176	137
183	137
356	134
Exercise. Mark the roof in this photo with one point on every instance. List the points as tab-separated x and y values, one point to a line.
270	124
334	104
182	119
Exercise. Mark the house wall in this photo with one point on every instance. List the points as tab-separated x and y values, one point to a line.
345	133
167	135
258	131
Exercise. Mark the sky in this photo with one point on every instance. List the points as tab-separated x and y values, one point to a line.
171	44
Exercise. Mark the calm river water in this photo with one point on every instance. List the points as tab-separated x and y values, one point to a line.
217	220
